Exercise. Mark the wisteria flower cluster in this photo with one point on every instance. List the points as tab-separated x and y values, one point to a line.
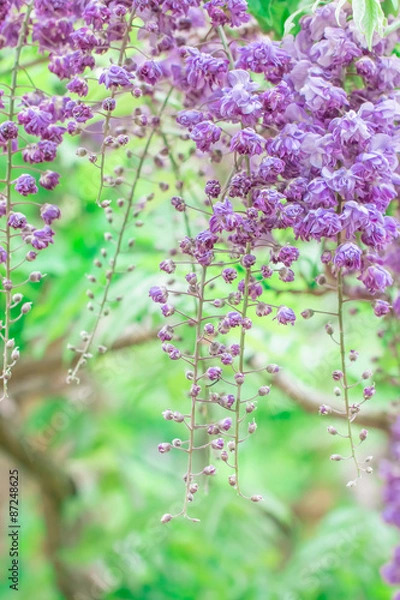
297	142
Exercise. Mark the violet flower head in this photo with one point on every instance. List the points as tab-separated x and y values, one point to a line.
224	218
115	77
348	257
285	315
203	68
49	180
8	131
223	12
205	134
41	238
158	294
49	213
376	279
25	185
248	142
17	220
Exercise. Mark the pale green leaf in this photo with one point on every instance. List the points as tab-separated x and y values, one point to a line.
369	17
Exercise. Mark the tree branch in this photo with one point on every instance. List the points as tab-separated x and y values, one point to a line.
310	400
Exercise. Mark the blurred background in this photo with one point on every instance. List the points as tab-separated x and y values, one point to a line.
93	486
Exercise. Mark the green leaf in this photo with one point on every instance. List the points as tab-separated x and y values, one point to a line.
369	17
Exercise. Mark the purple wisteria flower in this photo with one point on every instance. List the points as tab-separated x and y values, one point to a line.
376	279
49	213
224	219
247	141
348	257
232	12
205	134
25	185
115	77
17	220
285	315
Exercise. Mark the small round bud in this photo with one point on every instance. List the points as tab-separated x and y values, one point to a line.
264	390
26	307
332	430
35	276
232	480
369	470
256	498
336	457
329	329
363	434
163	448
366	375
17	298
337	391
272	368
337	375
307	314
209	470
166	518
353	355
321	280
252	427
177	443
250	407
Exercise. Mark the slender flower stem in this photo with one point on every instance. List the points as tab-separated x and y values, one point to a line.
8	268
196	378
72	376
344	371
106	126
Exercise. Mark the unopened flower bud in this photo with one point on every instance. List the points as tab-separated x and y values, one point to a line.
363	434
336	457
272	368
26	307
35	276
15	354
168	415
366	375
166	518
256	498
209	470
353	355
164	447
332	430
337	375
264	390
307	314
252	427
337	391
232	480
329	329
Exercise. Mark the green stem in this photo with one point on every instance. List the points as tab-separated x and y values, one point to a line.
8	268
82	359
196	379
344	370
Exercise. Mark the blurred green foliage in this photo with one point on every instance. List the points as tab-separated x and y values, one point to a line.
311	539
